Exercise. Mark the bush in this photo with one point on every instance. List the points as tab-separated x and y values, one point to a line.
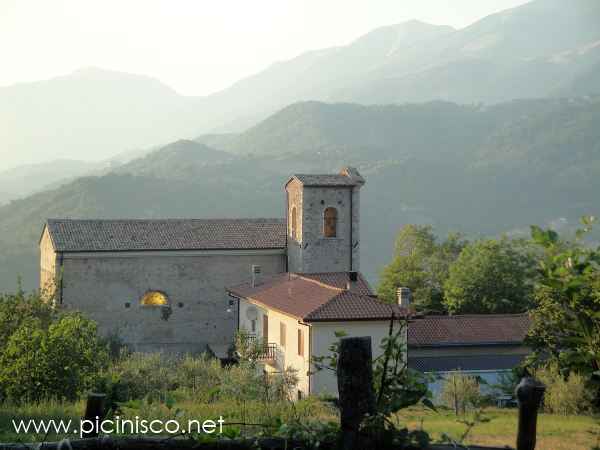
460	392
565	395
157	376
55	360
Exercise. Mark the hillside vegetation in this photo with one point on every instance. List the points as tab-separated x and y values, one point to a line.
480	170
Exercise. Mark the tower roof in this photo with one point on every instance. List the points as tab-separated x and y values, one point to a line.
348	177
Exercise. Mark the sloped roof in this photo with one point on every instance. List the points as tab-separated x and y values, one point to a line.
348	176
491	329
74	235
317	297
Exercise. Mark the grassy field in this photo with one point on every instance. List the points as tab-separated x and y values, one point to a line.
554	432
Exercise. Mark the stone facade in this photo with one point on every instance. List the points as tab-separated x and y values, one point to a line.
309	250
108	284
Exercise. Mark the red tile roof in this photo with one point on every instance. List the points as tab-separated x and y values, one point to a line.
440	331
317	297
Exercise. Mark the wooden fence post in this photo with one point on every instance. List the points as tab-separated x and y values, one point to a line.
94	407
355	387
529	396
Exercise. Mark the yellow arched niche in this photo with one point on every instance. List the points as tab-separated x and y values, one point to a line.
154	298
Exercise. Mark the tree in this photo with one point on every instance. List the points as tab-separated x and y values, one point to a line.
566	319
491	277
421	264
44	354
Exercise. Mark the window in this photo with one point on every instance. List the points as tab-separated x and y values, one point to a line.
282	333
253	325
300	343
330	222
154	298
294	223
265	333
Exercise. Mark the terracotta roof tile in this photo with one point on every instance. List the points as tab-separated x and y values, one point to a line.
468	330
317	297
72	235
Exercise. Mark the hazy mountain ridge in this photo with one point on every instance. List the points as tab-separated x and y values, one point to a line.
470	168
543	48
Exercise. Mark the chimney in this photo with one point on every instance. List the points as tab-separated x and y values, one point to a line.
403	295
352	281
256	270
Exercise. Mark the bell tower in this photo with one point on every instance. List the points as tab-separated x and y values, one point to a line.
323	217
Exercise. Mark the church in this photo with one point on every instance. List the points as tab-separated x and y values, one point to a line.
173	284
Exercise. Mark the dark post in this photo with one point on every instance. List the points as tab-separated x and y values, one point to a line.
355	387
94	407
529	395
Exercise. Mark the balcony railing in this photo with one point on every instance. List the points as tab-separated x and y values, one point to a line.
269	350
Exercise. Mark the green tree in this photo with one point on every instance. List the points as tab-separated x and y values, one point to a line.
45	354
566	319
420	263
491	277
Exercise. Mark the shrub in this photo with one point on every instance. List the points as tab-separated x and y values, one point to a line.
55	360
460	392
565	395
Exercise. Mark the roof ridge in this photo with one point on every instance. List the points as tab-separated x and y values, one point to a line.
460	316
317	282
170	219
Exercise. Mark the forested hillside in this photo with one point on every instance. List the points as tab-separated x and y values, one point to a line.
481	170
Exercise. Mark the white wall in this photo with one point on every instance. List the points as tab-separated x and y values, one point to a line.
287	356
323	336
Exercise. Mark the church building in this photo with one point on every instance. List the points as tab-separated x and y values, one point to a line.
179	284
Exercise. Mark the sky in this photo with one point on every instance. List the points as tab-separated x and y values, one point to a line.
197	46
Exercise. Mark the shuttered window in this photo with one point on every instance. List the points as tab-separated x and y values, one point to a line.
330	222
282	333
300	343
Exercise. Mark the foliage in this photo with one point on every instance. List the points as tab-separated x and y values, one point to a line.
565	395
566	320
421	264
59	359
158	377
490	277
460	392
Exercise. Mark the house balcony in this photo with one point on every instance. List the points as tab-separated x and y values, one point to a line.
269	351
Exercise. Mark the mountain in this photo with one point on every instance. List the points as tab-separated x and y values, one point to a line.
22	181
90	114
475	169
545	48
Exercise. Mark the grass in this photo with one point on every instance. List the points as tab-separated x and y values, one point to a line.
554	432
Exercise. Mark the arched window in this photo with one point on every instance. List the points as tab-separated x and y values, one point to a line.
294	223
330	222
154	298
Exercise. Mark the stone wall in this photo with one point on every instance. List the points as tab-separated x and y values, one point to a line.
313	252
108	288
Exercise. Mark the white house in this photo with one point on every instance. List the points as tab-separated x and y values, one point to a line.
297	316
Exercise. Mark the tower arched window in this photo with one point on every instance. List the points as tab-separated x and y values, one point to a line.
330	222
294	223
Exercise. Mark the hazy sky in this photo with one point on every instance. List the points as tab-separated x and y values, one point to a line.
197	46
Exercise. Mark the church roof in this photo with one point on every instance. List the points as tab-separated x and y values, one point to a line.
317	297
75	235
